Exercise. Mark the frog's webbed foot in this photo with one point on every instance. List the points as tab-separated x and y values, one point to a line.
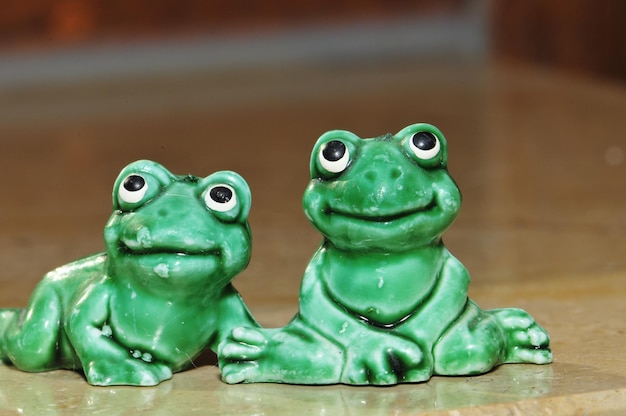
526	341
385	359
293	354
238	355
134	371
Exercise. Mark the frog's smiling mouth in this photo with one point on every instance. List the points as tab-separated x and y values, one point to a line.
126	248
167	262
372	216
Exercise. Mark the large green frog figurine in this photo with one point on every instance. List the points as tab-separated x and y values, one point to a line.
156	298
382	301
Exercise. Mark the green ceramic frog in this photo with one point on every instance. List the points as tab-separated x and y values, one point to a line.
156	298
382	301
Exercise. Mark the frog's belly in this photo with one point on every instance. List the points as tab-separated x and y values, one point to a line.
170	336
382	299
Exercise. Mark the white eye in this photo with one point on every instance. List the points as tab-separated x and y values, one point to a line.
334	156
424	145
220	198
133	189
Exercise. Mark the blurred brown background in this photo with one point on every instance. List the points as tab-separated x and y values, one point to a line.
583	35
579	35
63	21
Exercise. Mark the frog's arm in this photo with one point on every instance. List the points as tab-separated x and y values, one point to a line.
297	353
443	307
232	313
104	360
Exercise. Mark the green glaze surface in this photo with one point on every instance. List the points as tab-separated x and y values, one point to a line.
382	301
156	298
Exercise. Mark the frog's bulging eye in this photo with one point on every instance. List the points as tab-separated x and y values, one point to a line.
424	145
220	198
334	156
133	189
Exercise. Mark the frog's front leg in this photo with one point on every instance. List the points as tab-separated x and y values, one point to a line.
105	361
32	338
444	305
297	353
231	312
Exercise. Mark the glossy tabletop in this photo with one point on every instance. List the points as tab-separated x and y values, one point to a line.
539	157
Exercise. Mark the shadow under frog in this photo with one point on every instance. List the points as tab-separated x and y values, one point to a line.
156	298
382	301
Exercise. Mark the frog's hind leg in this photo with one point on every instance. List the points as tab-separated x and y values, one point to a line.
295	354
7	316
29	338
473	344
479	340
526	341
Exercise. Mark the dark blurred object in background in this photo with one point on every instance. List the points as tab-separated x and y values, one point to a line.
585	35
35	23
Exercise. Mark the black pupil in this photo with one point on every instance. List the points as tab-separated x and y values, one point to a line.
134	183
221	194
424	140
334	150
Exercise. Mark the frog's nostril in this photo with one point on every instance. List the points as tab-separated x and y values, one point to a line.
370	176
395	173
162	213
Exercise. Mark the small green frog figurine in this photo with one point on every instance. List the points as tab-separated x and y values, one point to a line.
382	301
156	298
